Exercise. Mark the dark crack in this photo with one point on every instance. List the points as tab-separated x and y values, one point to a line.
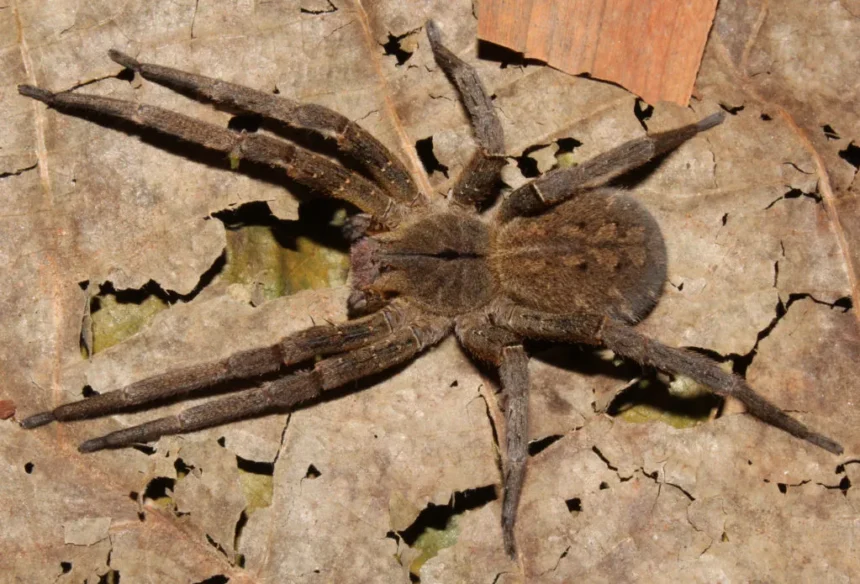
19	171
732	109
796	194
605	460
497	447
194	17
153	288
798	169
541	444
741	363
331	8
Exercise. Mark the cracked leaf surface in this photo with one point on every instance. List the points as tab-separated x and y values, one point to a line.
83	202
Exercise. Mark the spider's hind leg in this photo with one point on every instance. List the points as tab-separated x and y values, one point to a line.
627	342
482	173
292	349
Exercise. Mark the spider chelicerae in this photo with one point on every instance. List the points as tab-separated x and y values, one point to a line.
564	258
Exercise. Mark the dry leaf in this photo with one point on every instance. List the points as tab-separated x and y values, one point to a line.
760	218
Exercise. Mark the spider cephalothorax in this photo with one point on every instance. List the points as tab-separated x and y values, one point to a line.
564	258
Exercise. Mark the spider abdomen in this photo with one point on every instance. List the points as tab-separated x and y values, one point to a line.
599	253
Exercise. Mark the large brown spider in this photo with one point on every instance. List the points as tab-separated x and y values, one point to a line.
564	258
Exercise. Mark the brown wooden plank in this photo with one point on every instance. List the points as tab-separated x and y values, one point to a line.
651	47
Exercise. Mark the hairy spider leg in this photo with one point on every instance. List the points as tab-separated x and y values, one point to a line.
287	392
351	139
292	349
561	184
514	376
307	168
482	173
628	342
503	349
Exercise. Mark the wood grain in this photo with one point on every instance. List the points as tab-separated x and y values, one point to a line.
651	47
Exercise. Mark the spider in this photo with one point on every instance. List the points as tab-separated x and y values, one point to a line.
564	258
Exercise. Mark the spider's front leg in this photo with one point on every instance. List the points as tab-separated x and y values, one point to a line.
351	139
292	349
627	342
482	173
303	166
561	184
505	350
288	392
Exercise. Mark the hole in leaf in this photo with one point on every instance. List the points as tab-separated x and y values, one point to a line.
145	448
249	123
394	48
217	579
126	75
424	148
765	118
437	517
66	567
529	166
567	145
159	489
574	505
678	403
182	469
222	442
783	488
312	472
116	314
851	155
603	485
538	446
643	112
845	303
88	391
829	132
110	577
255	466
28	468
